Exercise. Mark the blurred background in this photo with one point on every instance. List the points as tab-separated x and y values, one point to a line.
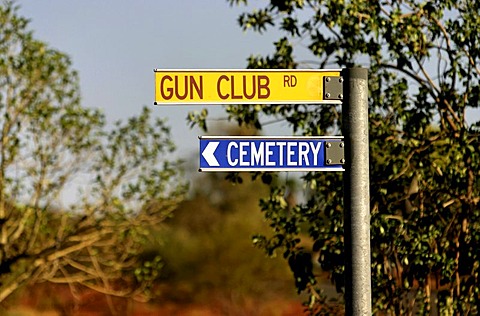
209	264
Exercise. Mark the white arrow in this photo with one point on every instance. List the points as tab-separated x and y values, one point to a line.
208	154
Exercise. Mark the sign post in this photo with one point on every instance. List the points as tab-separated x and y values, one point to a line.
348	87
358	293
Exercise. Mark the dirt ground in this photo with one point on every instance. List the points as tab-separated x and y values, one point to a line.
59	301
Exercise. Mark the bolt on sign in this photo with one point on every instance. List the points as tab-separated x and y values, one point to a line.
247	86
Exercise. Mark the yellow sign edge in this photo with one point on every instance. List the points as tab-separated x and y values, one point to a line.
291	102
273	102
246	70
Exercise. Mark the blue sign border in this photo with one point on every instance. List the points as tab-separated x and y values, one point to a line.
259	153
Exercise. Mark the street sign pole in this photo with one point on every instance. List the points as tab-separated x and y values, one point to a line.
348	87
358	291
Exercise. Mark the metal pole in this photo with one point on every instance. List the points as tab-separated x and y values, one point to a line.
358	292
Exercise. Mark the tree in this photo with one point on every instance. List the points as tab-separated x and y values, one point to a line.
49	143
424	90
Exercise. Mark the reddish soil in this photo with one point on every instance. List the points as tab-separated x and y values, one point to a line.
58	301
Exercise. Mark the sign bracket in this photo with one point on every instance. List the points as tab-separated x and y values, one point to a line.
333	87
334	153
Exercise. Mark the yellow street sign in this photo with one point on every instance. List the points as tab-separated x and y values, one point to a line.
244	86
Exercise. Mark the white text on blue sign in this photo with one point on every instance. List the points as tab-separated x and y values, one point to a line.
264	154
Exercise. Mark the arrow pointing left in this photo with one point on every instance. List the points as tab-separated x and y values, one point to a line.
208	154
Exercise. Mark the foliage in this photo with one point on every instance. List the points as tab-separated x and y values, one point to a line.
206	246
424	88
49	145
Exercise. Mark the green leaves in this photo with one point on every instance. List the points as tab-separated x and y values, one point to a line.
301	265
131	164
424	134
258	20
120	181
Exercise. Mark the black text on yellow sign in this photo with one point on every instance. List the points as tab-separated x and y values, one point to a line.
241	86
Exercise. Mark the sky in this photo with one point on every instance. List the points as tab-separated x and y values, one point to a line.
116	44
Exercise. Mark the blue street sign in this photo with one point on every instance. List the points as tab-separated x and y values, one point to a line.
235	153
